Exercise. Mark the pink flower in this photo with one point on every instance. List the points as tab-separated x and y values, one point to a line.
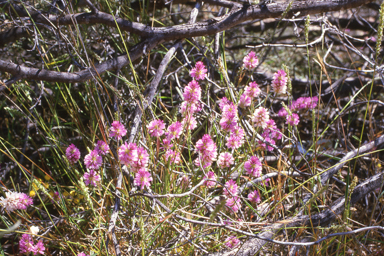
143	178
156	128
225	160
223	101
253	166
254	197
245	101
26	244
279	82
230	188
174	130
207	151
91	177
199	71
265	182
260	117
167	144
93	160
15	201
39	247
102	148
192	92
271	131
172	156
265	146
233	203
293	119
282	112
82	254
117	130
232	242
142	159
72	153
250	61
210	179
252	90
188	108
189	122
128	153
237	137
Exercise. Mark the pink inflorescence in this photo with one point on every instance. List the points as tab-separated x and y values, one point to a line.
254	197
117	130
279	82
293	119
102	148
252	90
156	128
245	101
260	117
143	179
266	145
250	61
210	179
232	242
174	131
207	150
300	103
26	245
91	177
233	203
192	92
93	160
142	160
230	188
199	71
172	156
236	138
128	153
72	153
15	201
229	117
82	254
225	160
253	166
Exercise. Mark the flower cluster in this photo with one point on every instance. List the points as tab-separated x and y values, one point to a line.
199	71
232	242
15	201
82	254
279	82
117	130
250	61
93	160
225	160
229	124
156	128
260	117
102	148
253	166
251	91
26	245
72	153
207	150
297	105
254	197
210	179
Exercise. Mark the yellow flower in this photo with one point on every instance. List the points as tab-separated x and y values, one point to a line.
32	193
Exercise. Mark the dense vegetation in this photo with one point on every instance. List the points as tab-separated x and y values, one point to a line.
191	128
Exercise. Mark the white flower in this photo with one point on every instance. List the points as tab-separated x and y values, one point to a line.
34	230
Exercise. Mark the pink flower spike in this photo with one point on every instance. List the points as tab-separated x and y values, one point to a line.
245	101
174	130
210	179
260	117
156	128
232	242
91	177
39	247
93	160
142	159
26	244
15	201
189	122
253	166
117	130
233	203
192	92
172	156
293	119
265	146
252	90
82	254
102	148
199	71
279	82
72	153
143	179
223	101
225	160
230	188
250	61
128	153
254	197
